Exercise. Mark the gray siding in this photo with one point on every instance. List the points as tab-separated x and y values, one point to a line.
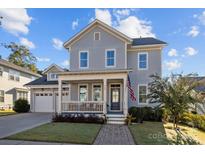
142	76
97	50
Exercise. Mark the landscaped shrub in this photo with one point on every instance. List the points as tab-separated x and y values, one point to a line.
193	120
79	118
21	106
145	113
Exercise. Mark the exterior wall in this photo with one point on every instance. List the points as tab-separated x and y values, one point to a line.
8	86
142	76
97	50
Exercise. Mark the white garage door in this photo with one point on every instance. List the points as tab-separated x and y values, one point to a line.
44	102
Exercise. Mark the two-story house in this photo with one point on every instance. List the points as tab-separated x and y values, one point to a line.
101	59
12	81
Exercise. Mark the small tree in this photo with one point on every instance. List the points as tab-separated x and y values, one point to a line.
175	94
21	56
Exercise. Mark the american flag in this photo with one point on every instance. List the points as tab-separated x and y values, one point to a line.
131	91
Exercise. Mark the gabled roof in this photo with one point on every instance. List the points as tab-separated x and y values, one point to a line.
147	41
51	66
92	24
18	68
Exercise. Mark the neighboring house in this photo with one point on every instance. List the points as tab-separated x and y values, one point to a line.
101	58
12	81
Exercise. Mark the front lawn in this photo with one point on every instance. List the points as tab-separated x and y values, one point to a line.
79	133
7	112
152	133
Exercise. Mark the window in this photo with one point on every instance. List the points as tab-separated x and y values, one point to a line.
83	93
83	59
1	71
96	36
142	61
14	75
142	93
97	92
53	76
22	95
1	96
110	58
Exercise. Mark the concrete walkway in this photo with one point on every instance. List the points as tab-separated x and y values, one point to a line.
13	124
114	135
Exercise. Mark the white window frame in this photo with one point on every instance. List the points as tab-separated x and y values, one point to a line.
2	70
138	89
15	74
79	91
83	51
106	58
56	78
138	59
96	84
94	36
3	96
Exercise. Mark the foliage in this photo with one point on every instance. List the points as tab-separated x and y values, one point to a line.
21	56
175	94
193	120
129	119
79	118
145	113
21	106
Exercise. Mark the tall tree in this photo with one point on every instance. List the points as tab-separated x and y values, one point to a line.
21	56
175	94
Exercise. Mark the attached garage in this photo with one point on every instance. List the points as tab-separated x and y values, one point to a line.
44	102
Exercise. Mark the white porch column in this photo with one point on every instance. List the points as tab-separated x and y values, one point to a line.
105	96
59	96
125	105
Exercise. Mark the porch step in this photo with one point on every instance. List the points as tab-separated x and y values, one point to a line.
116	119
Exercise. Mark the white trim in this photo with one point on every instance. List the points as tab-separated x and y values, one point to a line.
109	95
94	36
94	84
125	55
51	66
106	50
83	51
79	91
150	45
138	61
138	94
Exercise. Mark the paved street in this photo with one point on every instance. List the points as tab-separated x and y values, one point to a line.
16	123
114	135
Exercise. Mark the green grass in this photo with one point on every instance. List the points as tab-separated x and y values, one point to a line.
149	133
78	133
7	112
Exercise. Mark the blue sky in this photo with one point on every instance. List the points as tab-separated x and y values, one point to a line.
44	31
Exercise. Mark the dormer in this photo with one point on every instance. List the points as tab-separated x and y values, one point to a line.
52	72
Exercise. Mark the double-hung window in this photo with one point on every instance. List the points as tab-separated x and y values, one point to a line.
110	58
83	59
1	96
97	92
142	61
14	75
1	71
142	93
53	76
83	93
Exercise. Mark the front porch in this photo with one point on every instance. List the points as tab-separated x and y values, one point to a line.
100	93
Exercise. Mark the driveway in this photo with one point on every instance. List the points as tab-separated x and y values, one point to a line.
16	123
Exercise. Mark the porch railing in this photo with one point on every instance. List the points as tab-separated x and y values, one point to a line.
84	107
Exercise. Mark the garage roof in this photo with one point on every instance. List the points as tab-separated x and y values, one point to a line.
42	81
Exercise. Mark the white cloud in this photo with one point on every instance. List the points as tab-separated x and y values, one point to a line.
201	17
123	12
172	53
75	24
190	51
194	31
172	64
134	27
66	63
15	21
103	15
27	43
57	43
43	59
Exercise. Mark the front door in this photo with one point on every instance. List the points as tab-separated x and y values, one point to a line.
115	97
